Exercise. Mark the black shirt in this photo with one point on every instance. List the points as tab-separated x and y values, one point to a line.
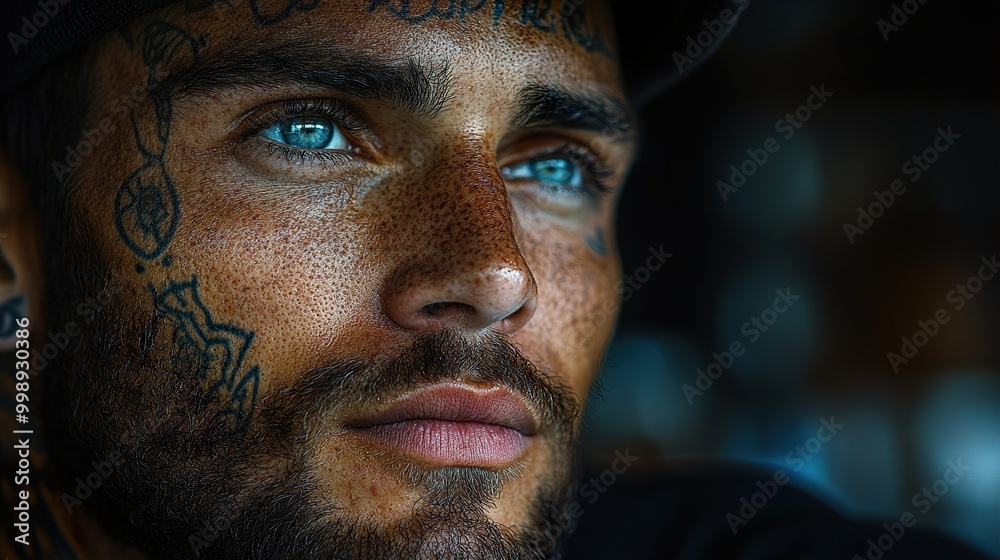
698	512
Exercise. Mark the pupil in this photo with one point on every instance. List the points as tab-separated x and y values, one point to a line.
307	132
553	170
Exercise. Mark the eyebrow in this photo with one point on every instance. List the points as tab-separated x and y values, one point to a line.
549	105
416	86
412	84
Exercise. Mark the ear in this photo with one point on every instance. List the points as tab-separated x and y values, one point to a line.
21	282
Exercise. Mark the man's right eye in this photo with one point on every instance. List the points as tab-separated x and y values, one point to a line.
308	133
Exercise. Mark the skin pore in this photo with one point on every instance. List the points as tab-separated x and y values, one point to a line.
316	208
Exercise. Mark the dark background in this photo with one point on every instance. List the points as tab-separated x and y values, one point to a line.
827	355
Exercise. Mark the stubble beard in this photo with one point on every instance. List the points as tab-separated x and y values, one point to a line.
185	487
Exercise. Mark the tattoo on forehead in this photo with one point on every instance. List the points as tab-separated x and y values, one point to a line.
212	353
569	17
272	11
269	16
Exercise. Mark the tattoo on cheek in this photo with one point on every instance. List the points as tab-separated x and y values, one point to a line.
147	207
10	311
212	353
147	211
570	18
596	242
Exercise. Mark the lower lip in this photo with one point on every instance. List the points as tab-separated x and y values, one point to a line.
448	443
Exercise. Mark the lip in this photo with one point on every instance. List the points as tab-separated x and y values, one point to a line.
453	425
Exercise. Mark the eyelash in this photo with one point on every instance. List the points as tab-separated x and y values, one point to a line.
337	110
597	173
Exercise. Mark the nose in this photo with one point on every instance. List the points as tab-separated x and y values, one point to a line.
464	269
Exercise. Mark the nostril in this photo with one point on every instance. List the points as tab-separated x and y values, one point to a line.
479	298
439	307
434	309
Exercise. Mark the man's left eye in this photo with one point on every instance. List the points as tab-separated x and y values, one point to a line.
308	133
557	171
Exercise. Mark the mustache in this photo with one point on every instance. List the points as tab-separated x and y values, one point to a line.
355	383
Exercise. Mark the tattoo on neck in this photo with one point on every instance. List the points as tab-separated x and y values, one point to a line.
10	311
570	18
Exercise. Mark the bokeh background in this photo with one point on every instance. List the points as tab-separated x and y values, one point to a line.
784	228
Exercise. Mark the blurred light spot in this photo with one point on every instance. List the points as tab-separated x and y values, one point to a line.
960	420
641	384
779	354
780	194
865	464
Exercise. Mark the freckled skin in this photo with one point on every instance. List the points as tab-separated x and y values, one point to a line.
324	261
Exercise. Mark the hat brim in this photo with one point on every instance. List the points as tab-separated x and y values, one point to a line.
660	44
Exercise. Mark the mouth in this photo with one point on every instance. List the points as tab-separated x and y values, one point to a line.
453	425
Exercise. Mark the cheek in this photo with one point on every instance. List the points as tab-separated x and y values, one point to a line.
285	265
295	275
578	301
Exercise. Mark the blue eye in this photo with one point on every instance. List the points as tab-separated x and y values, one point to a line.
555	171
308	133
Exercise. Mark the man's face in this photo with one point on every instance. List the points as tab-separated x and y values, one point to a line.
361	273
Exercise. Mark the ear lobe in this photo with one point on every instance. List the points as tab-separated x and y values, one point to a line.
20	257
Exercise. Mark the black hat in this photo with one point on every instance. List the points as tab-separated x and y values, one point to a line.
660	42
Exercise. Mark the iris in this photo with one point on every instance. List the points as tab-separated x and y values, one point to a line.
553	171
308	133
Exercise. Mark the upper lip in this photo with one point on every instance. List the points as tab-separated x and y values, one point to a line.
456	403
